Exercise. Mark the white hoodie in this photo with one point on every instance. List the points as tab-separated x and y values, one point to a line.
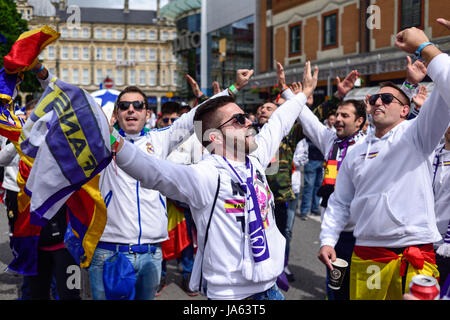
220	263
384	184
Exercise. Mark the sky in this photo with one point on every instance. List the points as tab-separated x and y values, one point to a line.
134	4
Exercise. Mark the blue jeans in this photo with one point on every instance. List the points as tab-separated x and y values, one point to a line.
313	175
146	265
270	294
290	215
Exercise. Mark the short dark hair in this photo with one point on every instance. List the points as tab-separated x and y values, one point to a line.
132	89
31	104
206	114
360	109
396	87
170	107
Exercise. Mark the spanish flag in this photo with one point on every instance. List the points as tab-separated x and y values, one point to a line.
178	235
25	51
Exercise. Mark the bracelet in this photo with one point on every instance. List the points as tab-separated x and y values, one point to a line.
233	89
418	52
409	85
39	70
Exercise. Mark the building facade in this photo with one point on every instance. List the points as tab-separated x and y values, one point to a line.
131	47
339	36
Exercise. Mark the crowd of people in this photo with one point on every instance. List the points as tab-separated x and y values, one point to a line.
374	171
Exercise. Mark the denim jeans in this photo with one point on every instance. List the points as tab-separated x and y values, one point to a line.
290	215
270	294
146	265
313	175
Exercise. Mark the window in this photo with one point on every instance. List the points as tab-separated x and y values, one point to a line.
75	53
119	34
119	77
85	53
64	33
165	35
109	73
85	33
174	35
98	33
51	52
152	78
119	54
132	54
98	53
163	78
65	75
295	47
142	77
142	35
98	76
86	78
75	33
65	53
75	76
132	34
109	34
152	54
411	14
52	71
152	35
330	25
174	77
141	54
132	79
109	54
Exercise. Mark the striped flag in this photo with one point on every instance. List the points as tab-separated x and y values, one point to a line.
178	235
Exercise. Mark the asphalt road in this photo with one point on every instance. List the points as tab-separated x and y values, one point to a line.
309	273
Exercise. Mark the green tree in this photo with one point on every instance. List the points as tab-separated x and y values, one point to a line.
11	27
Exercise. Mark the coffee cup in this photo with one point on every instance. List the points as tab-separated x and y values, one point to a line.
336	276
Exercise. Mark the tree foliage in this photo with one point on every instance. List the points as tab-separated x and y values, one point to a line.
11	27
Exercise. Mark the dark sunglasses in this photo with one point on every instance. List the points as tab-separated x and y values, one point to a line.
240	118
137	105
166	120
386	98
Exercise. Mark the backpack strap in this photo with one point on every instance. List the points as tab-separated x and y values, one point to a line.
207	230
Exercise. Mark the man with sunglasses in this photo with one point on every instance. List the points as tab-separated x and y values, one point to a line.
137	221
240	250
169	114
384	186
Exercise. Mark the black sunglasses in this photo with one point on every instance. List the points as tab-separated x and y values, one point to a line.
166	120
386	98
240	118
137	105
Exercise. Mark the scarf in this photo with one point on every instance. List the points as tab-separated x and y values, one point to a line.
257	264
444	249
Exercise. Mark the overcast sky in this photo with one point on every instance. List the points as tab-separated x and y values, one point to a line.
134	4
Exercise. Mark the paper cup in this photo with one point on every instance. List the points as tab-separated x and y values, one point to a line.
337	274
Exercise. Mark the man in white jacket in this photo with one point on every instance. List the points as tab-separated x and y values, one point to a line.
136	214
229	196
385	189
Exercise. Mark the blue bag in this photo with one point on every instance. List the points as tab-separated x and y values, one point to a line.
119	278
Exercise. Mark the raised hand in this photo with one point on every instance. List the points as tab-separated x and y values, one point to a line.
347	84
296	87
242	77
420	97
309	80
194	86
410	39
216	87
415	72
281	78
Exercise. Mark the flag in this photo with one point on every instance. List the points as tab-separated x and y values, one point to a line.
178	235
68	137
25	51
10	124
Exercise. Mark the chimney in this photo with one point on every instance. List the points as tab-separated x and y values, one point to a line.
62	4
126	8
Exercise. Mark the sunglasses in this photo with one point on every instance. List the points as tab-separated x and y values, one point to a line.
240	118
386	98
137	105
166	120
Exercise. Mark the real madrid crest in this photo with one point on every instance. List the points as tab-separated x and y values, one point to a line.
150	148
